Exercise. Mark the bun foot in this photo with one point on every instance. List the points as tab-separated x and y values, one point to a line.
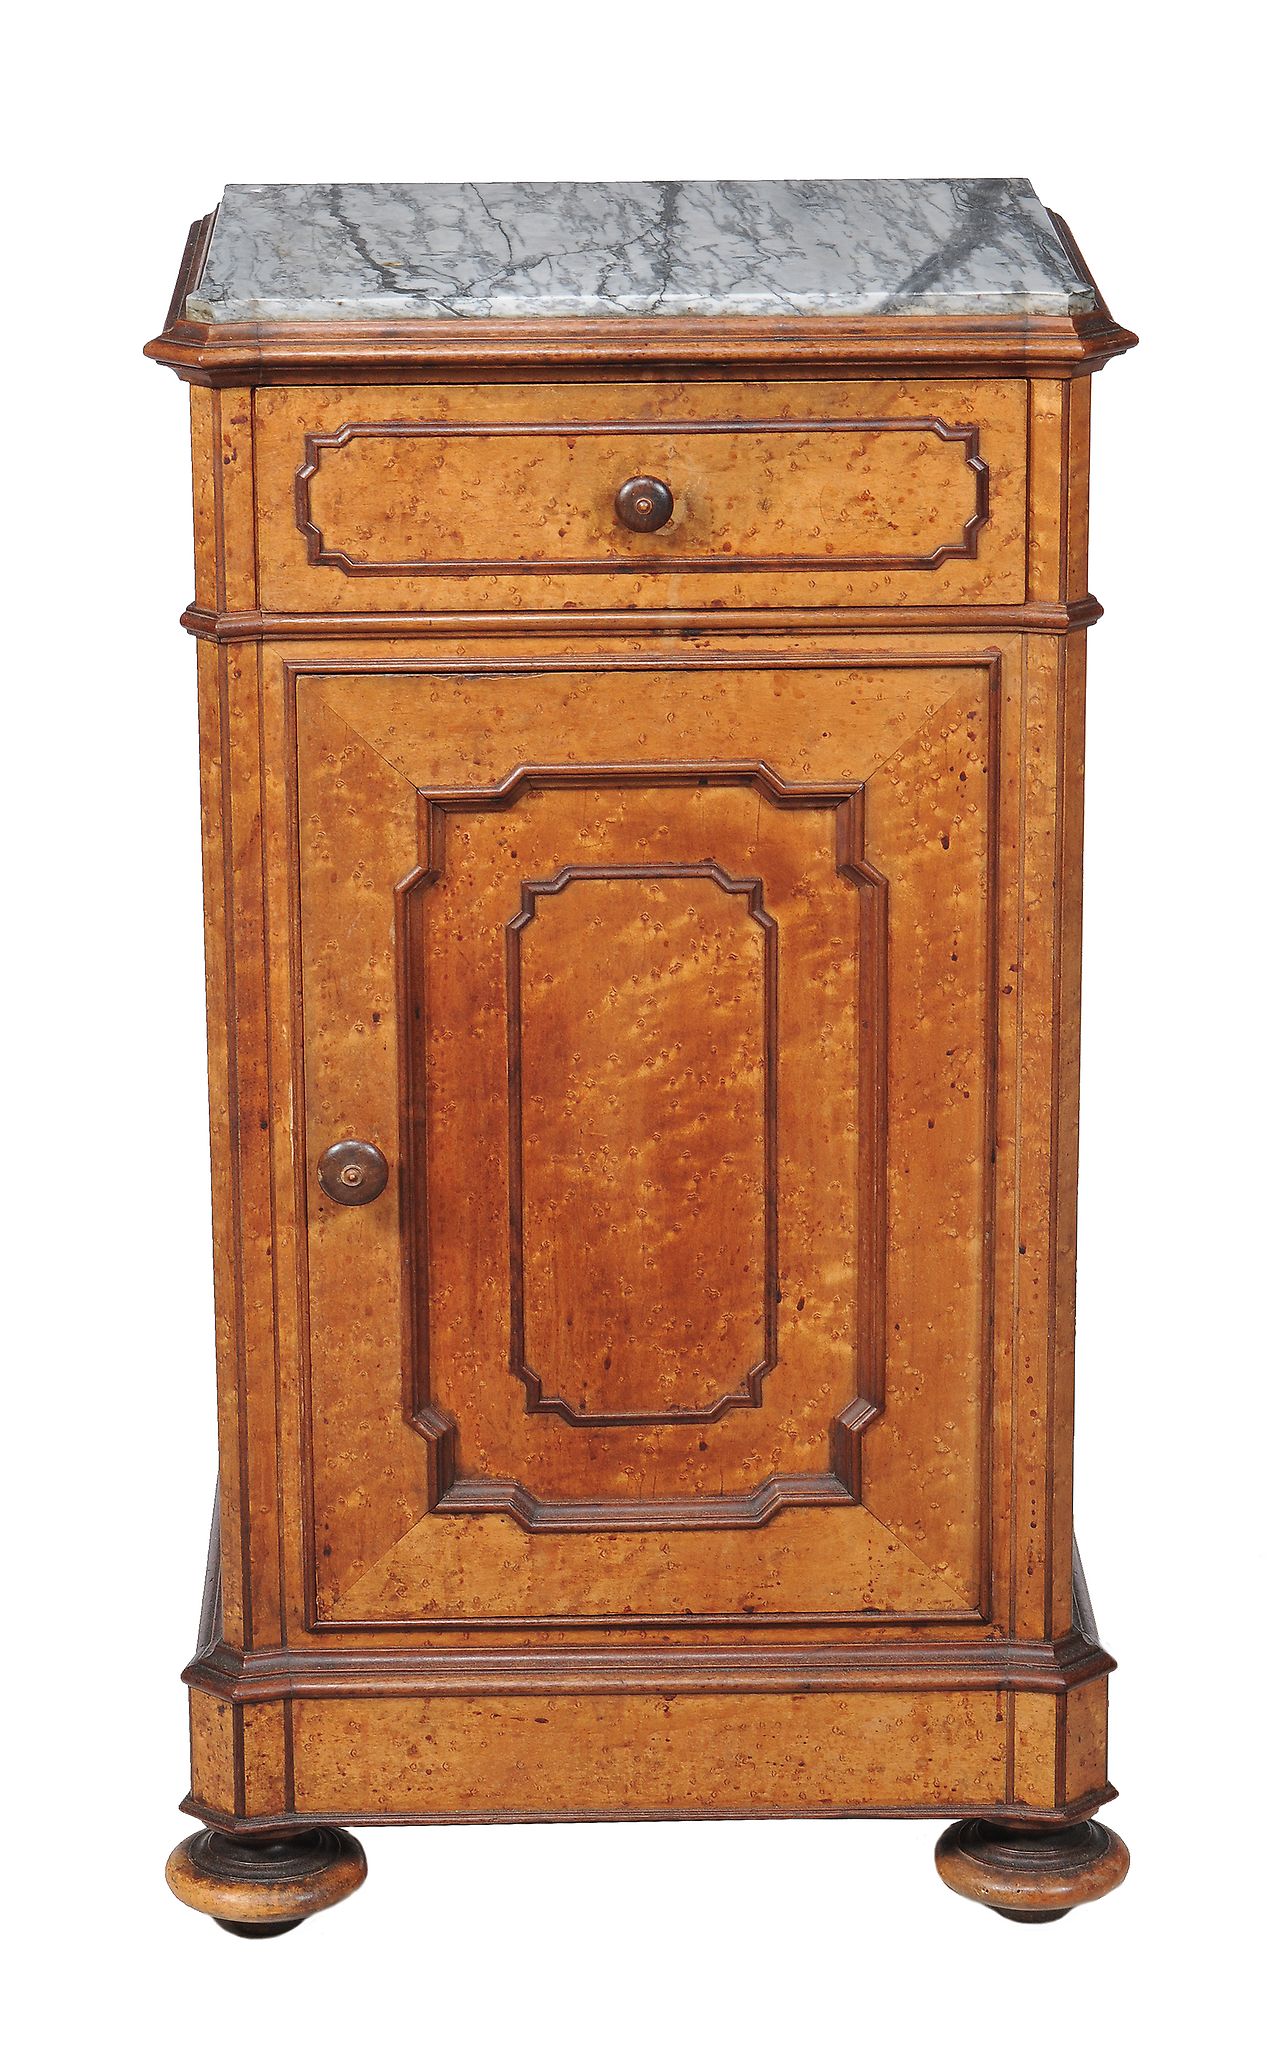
261	1886
1032	1874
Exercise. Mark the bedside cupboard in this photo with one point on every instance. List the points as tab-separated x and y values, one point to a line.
641	646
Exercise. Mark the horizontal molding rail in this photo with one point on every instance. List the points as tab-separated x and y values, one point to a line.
228	626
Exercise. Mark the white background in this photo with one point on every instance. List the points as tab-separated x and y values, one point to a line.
124	126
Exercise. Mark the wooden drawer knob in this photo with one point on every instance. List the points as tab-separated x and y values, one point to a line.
644	503
352	1172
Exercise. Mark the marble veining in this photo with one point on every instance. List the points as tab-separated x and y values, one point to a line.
822	246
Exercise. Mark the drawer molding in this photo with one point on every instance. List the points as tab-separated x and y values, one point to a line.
963	545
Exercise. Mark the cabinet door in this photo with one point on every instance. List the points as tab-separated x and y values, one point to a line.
665	987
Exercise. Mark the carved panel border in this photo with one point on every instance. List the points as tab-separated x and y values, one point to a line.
965	545
841	1483
749	1394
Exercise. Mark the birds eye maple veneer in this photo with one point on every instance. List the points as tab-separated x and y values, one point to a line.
641	637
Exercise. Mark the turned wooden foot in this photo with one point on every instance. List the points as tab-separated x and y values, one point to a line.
258	1886
1031	1873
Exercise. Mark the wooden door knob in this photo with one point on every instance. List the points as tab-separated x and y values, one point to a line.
352	1172
644	503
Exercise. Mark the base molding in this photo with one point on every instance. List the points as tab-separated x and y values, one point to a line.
999	1663
268	1824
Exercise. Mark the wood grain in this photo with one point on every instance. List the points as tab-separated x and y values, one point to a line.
1084	1748
615	1089
213	1743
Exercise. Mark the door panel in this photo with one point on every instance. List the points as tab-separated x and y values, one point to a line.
640	1052
669	1032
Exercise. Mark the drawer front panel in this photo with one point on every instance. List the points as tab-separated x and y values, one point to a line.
462	498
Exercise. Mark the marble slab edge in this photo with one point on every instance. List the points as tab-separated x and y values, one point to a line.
251	352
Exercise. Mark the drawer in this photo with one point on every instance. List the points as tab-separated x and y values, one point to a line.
448	498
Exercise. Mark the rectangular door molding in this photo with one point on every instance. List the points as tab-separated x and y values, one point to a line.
647	1162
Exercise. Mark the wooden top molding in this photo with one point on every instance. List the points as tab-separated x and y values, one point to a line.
352	351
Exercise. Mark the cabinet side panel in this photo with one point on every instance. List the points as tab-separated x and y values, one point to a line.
219	1078
250	1138
265	1776
1057	489
203	461
212	1743
285	1165
1033	1294
1077	469
1085	1747
1007	1136
236	500
240	1073
1035	1717
235	851
1066	1178
1048	1047
1046	505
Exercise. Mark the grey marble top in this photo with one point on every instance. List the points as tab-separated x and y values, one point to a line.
846	245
